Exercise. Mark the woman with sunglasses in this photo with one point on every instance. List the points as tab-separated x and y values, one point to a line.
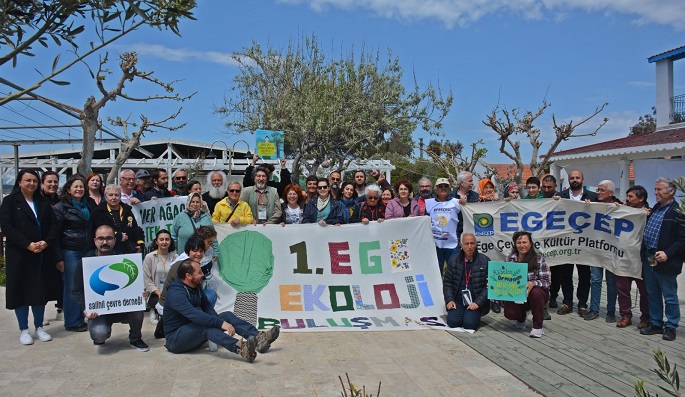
323	210
370	210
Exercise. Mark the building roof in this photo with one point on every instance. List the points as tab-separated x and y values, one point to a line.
650	141
674	54
507	171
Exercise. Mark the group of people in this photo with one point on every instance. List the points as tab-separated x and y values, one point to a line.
661	260
50	230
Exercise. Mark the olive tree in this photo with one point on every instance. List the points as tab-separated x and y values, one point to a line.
331	110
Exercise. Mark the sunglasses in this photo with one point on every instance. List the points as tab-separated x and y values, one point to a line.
181	178
234	190
322	187
335	179
372	197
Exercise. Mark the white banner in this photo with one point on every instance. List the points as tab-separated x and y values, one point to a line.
155	215
381	276
113	284
564	231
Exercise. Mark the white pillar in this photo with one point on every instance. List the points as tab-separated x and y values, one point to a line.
664	91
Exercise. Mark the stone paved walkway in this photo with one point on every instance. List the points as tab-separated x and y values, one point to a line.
408	363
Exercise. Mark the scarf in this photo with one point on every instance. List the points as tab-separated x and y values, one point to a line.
82	206
321	204
195	214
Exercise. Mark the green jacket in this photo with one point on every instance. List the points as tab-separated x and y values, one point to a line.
273	205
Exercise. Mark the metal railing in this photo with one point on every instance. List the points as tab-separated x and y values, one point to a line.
677	109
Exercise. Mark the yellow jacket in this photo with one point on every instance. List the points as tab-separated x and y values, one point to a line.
223	210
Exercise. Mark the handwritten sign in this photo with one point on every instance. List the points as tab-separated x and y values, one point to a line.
507	281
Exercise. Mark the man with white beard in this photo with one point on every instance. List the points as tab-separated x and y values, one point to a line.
216	191
262	199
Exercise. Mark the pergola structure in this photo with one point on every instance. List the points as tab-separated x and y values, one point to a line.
169	154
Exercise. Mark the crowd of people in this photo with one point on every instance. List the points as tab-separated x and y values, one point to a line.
661	260
49	230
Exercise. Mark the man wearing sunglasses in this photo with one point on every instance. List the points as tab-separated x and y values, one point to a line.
180	183
232	209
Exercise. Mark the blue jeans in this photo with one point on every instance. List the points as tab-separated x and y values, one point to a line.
100	327
191	336
596	274
73	316
462	317
22	314
211	295
444	254
662	294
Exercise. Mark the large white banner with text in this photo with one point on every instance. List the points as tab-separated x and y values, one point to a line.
154	215
564	231
380	276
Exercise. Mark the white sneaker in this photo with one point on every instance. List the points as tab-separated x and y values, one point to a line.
537	333
42	335
46	322
154	318
25	338
213	347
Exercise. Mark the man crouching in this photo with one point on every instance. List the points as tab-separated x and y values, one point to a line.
190	320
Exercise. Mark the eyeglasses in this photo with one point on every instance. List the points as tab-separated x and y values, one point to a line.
322	187
234	190
372	197
109	239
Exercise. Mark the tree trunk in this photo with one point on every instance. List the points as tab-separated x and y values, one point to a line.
90	127
125	151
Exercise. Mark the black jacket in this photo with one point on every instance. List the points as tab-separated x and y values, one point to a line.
127	224
74	232
25	269
671	240
479	280
587	195
362	210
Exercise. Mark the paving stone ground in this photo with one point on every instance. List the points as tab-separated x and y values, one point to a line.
408	363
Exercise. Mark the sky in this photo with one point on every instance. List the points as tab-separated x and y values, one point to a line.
513	53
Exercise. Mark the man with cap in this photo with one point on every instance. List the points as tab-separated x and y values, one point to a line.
444	212
143	183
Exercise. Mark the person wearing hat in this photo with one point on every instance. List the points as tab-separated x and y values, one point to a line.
143	182
444	212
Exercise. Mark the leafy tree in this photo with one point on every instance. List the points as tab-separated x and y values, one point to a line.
646	123
26	23
508	124
330	110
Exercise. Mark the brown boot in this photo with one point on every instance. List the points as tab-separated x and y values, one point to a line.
643	324
624	322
